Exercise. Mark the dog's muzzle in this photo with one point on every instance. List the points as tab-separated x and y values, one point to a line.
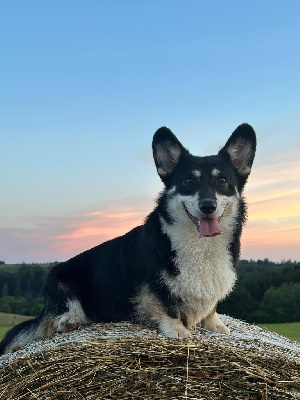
207	227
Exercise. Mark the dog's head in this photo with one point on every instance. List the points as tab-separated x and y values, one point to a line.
206	188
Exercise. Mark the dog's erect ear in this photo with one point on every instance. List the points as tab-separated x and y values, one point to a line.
241	148
167	151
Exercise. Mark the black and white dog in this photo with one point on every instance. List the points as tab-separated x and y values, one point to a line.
169	272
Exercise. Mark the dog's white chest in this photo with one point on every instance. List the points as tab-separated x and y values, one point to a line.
204	264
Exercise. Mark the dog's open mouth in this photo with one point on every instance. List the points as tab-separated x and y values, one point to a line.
207	227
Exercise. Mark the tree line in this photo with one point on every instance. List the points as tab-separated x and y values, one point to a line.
265	291
21	288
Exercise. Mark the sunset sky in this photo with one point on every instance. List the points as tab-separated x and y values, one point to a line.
83	87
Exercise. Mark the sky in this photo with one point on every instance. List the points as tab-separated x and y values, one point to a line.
84	86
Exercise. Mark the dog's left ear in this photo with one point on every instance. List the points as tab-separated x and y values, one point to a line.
241	148
167	151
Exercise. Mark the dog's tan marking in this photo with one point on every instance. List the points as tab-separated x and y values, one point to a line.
150	310
215	172
196	173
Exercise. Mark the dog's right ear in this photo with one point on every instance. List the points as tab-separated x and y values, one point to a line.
167	151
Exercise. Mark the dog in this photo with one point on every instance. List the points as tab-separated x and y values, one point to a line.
170	272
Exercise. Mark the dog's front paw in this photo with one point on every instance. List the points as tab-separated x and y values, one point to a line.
218	328
174	328
214	324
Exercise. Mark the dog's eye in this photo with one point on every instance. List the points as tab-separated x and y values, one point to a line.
189	182
221	180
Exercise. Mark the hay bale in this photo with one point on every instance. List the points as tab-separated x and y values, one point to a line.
124	361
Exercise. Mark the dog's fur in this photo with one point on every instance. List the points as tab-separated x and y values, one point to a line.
170	272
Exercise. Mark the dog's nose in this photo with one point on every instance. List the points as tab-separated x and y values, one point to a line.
208	206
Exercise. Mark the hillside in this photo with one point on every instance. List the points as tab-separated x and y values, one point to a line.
12	319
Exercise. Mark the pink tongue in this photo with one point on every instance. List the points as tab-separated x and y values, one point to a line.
208	227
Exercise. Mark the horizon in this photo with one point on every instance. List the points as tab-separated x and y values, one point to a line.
84	88
282	262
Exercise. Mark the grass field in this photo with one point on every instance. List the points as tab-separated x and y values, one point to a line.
7	321
290	330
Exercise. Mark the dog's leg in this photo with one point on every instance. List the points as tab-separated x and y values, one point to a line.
73	318
63	309
213	323
69	319
150	309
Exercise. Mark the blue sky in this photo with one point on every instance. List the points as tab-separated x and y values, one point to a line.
84	85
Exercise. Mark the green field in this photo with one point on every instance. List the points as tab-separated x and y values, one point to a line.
290	330
7	321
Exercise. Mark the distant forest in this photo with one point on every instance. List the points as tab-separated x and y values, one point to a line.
265	291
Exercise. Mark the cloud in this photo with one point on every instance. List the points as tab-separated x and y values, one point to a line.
100	223
284	205
25	245
274	174
273	194
94	227
51	239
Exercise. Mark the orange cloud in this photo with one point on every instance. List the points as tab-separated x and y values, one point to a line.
109	224
93	228
273	228
284	205
281	231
